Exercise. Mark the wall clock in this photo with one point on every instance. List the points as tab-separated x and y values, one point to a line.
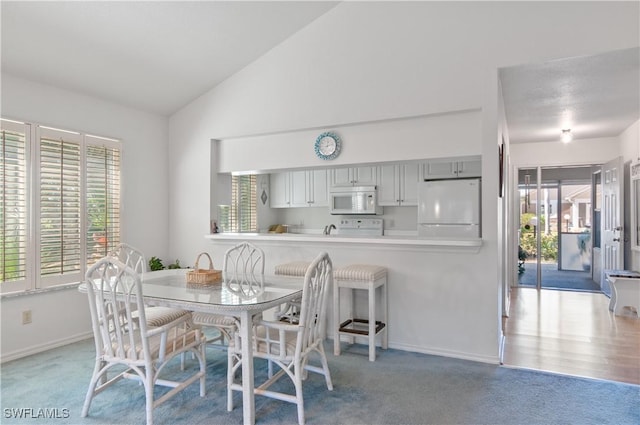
328	146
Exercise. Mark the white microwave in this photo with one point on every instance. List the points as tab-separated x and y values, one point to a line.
354	200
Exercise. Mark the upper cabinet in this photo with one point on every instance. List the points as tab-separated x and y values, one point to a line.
299	189
398	184
451	169
280	189
354	176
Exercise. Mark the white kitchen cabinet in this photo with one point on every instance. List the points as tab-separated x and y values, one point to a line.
451	169
398	184
296	189
280	188
354	176
319	188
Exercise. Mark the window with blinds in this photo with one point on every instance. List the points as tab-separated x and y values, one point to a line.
242	215
67	185
13	204
103	199
60	209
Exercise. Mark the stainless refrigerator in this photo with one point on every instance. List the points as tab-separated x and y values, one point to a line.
449	209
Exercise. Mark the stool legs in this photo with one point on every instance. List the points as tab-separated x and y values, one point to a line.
336	320
385	316
373	327
372	323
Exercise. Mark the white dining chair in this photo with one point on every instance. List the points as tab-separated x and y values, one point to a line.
290	346
243	272
134	258
115	294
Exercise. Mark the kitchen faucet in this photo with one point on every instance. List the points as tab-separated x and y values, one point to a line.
327	229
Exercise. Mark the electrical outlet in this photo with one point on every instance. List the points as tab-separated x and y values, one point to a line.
26	317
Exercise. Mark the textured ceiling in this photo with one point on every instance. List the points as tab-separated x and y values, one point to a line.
595	96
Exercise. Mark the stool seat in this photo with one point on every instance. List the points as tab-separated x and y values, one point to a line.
360	272
361	277
294	268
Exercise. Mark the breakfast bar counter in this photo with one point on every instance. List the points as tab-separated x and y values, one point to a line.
407	241
431	297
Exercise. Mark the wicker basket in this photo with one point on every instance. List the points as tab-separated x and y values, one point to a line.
204	276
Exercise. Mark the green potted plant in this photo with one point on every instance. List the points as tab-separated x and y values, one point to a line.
155	264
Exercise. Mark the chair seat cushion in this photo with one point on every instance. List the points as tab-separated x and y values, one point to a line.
294	268
160	316
174	343
209	319
366	272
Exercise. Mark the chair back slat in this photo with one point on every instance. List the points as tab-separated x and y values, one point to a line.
243	269
131	257
115	292
318	278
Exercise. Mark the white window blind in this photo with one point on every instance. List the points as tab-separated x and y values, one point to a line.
103	198
60	209
13	203
243	209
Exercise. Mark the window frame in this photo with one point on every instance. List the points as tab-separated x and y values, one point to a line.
34	281
25	283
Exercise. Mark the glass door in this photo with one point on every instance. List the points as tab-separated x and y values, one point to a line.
529	227
556	222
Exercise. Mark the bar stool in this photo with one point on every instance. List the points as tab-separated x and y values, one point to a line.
290	312
370	278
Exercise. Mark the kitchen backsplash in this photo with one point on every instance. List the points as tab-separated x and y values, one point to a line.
309	220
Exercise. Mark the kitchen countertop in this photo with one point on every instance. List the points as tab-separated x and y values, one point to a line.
348	239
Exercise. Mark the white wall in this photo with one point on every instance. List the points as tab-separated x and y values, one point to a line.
630	143
578	152
375	61
63	315
431	136
630	151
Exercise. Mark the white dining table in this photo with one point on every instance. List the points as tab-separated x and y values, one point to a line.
169	288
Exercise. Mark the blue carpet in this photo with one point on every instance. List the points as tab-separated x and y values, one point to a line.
399	388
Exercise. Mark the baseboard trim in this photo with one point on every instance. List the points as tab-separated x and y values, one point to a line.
443	353
35	349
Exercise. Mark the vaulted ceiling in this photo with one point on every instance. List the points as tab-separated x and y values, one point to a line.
152	55
159	56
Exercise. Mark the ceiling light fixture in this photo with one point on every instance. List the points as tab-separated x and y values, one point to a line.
566	135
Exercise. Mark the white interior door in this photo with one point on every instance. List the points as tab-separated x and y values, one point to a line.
612	207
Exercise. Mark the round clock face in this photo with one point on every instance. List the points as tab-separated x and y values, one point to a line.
327	146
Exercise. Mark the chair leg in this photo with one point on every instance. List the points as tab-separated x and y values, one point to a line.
231	362
92	387
299	370
148	389
203	369
325	366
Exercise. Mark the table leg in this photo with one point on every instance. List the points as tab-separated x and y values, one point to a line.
248	402
612	300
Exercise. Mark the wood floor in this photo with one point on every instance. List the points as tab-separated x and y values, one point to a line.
572	333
